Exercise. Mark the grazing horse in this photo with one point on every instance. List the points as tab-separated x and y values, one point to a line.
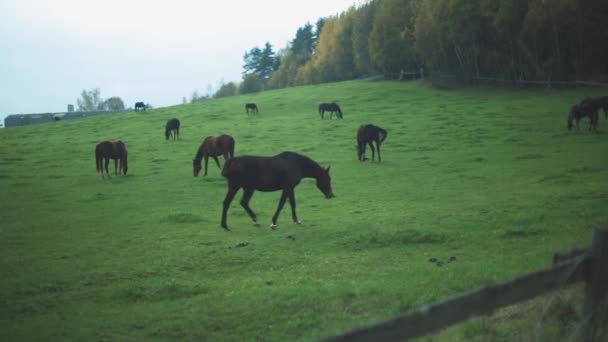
597	103
331	108
172	127
581	110
111	150
281	172
213	147
140	106
251	106
368	134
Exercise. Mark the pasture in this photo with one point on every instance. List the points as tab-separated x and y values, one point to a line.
489	176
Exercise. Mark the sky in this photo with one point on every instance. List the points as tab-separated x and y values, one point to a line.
139	50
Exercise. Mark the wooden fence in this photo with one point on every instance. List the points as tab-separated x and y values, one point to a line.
589	266
441	77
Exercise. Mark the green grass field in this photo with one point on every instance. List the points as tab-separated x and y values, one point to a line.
489	176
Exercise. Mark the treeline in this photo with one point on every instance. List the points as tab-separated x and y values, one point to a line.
519	40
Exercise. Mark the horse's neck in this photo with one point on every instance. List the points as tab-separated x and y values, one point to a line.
310	169
200	153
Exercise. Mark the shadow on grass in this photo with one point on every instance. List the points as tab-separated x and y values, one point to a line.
390	239
178	218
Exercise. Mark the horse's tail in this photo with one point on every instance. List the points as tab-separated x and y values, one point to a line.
231	148
125	165
228	168
98	158
339	111
383	134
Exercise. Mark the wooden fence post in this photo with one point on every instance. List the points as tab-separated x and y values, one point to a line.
595	306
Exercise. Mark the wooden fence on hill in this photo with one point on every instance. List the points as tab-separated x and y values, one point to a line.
589	266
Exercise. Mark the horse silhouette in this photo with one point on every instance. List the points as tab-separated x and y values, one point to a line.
581	110
172	128
111	149
281	172
213	147
367	135
251	106
331	108
140	106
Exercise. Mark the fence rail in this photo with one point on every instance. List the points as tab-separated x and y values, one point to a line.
590	266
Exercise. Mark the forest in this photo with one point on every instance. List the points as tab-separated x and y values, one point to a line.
512	40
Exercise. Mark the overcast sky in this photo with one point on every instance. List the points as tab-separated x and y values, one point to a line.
139	50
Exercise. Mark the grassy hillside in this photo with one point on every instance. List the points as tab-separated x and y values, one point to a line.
489	176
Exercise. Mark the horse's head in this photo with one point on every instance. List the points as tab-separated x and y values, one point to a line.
196	167
167	133
324	183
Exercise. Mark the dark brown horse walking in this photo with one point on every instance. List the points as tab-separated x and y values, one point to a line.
281	172
172	128
251	106
213	147
111	150
368	134
331	108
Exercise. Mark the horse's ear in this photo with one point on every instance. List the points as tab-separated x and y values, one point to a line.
327	169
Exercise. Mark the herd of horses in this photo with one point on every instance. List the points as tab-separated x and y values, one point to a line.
285	170
589	107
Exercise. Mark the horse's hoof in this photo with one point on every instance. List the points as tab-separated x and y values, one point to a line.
273	226
256	223
226	228
297	222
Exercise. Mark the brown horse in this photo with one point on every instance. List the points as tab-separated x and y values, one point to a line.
213	147
111	150
581	110
368	134
140	106
281	172
331	108
597	103
172	128
251	106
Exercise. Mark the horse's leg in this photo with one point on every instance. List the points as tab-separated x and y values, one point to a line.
378	149
107	162
292	203
371	146
247	194
116	167
218	162
281	204
177	133
232	189
206	161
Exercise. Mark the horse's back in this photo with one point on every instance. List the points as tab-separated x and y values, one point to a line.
263	173
172	123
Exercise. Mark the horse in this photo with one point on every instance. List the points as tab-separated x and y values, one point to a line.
172	127
111	149
140	106
331	108
581	110
251	106
213	147
597	103
281	172
368	134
